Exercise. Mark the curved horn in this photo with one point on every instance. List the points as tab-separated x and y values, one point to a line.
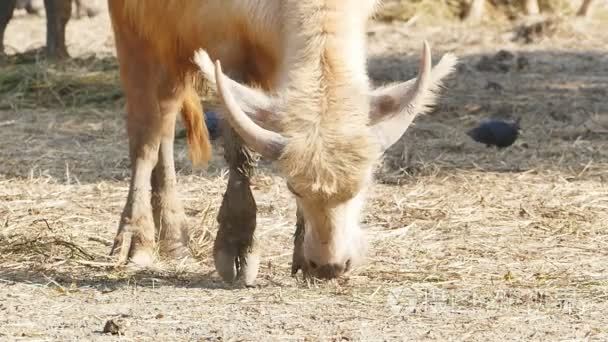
268	143
255	103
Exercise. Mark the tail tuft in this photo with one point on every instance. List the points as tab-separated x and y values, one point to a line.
196	130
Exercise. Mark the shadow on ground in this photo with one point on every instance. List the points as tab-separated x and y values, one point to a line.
110	279
78	126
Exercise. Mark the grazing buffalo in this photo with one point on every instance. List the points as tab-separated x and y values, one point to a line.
292	76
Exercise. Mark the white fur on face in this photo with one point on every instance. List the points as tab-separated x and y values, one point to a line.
333	234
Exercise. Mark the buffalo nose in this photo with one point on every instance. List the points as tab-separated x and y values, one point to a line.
329	271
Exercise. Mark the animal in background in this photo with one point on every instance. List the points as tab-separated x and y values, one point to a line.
32	7
58	13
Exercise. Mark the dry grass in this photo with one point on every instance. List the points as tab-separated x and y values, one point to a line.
458	247
30	82
405	10
466	243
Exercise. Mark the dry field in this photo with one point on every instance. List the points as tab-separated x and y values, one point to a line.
465	242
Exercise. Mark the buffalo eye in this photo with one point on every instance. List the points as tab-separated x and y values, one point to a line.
290	188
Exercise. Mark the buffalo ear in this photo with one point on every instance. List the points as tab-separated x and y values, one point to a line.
393	108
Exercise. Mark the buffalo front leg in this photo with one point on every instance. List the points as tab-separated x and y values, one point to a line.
58	14
235	253
169	217
135	237
6	13
153	208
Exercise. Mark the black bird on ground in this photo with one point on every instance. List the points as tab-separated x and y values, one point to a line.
496	132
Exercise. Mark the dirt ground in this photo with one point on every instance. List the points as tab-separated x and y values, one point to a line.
465	242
